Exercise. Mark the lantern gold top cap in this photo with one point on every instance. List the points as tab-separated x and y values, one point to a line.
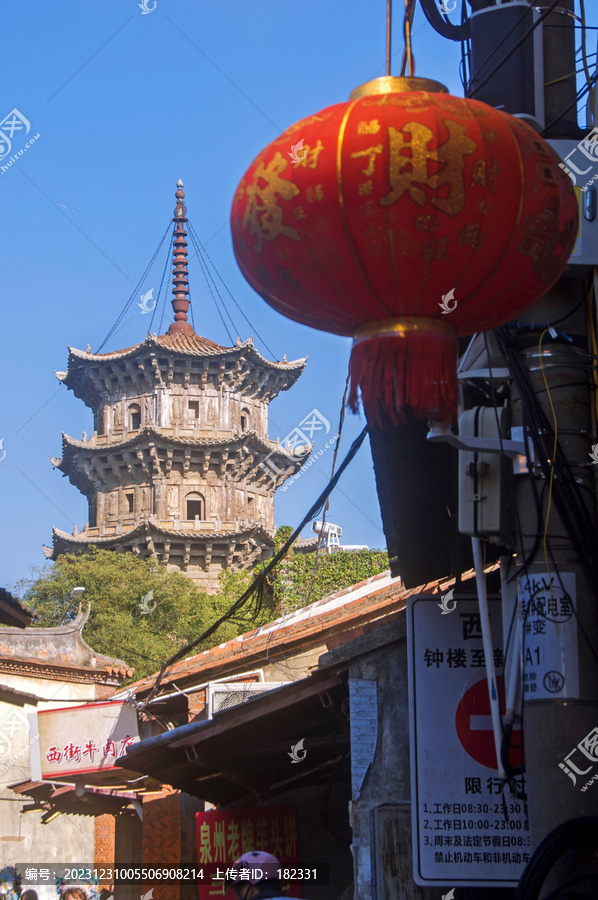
390	84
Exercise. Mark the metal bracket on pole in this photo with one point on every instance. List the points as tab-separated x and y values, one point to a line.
439	433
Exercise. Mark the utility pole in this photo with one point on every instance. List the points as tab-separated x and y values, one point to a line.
560	376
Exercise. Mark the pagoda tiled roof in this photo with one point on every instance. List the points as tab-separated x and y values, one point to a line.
63	542
182	343
72	447
153	433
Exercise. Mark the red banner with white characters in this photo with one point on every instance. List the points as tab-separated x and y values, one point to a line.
224	835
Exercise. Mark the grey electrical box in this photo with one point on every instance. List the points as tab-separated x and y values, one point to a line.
482	501
581	161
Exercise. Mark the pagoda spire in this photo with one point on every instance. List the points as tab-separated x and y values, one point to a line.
180	272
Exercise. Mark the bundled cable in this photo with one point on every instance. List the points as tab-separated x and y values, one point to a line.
255	589
567	836
567	496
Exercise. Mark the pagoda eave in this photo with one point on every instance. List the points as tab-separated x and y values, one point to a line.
63	542
180	344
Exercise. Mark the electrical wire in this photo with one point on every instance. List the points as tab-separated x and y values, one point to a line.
169	259
553	457
571	506
225	286
158	302
442	25
578	98
561	839
255	589
583	53
327	504
134	293
515	47
212	293
564	480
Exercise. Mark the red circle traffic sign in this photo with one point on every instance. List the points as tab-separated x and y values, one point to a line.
473	722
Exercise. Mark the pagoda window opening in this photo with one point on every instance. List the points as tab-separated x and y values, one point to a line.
130	502
250	505
245	419
134	413
194	506
194	409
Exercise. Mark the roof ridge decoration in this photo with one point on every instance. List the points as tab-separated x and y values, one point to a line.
180	270
196	345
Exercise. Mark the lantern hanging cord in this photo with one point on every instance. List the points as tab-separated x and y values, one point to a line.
388	33
257	585
408	58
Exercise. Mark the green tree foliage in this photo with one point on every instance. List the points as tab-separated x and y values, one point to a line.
296	581
115	585
145	633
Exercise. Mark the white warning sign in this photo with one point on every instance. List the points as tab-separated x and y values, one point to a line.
549	636
465	830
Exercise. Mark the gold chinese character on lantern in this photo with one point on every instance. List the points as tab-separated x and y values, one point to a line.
371	127
262	213
471	235
484	174
310	157
407	174
314	193
371	153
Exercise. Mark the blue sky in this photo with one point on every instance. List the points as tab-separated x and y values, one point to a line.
126	104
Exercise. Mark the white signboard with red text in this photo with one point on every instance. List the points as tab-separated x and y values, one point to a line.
80	743
461	835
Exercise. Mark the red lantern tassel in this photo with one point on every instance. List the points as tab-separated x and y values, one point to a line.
401	363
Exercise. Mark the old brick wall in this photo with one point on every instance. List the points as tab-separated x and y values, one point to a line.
162	839
104	842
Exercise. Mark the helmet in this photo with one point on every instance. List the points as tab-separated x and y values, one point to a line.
263	867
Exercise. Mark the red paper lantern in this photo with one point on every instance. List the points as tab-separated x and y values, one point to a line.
360	220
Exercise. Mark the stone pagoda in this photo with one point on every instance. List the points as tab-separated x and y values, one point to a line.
179	466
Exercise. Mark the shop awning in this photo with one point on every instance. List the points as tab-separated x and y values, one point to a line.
54	799
246	750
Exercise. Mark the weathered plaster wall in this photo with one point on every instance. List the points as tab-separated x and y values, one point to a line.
381	814
23	838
